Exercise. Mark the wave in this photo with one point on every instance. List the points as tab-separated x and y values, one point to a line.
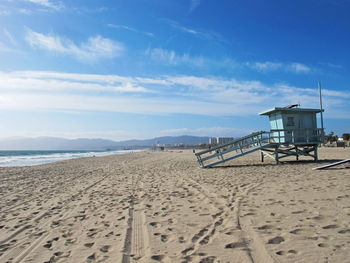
27	158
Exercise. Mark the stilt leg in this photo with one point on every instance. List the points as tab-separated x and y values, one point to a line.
296	150
262	157
316	153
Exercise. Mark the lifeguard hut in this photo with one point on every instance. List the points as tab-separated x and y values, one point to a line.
293	132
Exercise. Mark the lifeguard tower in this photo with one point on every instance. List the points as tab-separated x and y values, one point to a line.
293	132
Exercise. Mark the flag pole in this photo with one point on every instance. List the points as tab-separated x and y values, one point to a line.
319	90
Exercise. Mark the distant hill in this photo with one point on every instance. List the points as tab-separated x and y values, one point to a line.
52	143
167	140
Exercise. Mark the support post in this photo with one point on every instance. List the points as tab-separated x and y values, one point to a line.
262	156
322	131
296	150
276	156
316	153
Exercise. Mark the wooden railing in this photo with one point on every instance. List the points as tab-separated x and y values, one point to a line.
297	136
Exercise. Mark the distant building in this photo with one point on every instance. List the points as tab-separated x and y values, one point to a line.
222	140
219	140
212	141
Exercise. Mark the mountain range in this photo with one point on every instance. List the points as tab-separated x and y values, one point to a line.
53	143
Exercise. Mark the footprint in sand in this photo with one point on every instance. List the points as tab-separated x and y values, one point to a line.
89	244
330	227
265	227
164	238
181	239
237	244
157	257
296	231
322	245
210	259
281	253
200	234
154	224
91	258
276	240
344	231
105	249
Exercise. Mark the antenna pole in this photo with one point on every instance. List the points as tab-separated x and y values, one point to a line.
319	90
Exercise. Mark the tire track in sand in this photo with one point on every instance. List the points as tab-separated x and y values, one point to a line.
136	243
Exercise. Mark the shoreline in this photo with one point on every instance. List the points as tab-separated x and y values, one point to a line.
38	157
161	207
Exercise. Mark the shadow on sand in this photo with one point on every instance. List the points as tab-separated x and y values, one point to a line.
319	162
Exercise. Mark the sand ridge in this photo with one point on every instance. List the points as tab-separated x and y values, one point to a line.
161	207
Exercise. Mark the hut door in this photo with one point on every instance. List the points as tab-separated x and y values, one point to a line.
307	125
291	124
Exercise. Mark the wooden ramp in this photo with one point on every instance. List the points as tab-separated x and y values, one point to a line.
233	149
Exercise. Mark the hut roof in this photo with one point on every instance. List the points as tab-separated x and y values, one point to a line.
289	110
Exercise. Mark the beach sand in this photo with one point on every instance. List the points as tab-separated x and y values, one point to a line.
161	207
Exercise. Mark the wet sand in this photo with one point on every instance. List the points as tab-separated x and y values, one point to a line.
161	207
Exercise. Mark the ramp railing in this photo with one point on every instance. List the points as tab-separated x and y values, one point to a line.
234	149
257	141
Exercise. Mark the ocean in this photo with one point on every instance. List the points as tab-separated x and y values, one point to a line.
29	158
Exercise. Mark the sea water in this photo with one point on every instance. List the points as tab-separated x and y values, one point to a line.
29	158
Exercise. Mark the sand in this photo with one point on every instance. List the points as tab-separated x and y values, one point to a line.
161	207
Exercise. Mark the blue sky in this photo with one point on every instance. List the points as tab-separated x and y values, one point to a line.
140	69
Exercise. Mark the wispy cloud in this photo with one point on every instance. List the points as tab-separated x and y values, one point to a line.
47	4
331	65
129	28
25	11
9	37
298	68
45	81
86	10
202	34
194	4
5	12
265	66
54	91
274	66
172	58
5	48
95	48
9	44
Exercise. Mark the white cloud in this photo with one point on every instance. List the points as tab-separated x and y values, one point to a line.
32	81
201	34
129	28
265	66
170	57
47	4
54	91
194	4
95	48
331	65
25	11
182	28
298	68
5	12
274	66
9	37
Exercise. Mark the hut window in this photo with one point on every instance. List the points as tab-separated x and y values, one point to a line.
290	121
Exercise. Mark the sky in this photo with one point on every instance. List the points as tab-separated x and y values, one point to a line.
140	69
